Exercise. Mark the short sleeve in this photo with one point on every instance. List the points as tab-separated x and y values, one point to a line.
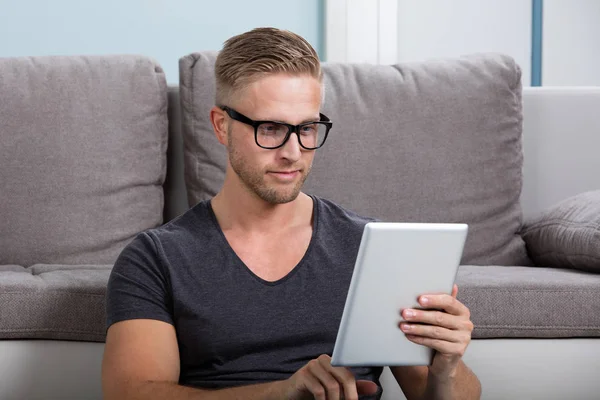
138	287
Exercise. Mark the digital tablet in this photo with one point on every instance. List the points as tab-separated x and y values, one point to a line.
396	263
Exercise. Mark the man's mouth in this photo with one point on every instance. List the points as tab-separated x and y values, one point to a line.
286	174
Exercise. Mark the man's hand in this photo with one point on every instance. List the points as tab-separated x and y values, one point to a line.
320	380
445	327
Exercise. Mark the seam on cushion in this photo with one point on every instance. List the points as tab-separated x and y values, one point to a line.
517	74
562	223
47	330
194	128
195	57
528	327
491	334
565	225
186	114
589	291
517	90
162	87
53	291
102	268
185	119
566	254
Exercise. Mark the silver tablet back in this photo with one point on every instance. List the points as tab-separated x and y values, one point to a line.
396	263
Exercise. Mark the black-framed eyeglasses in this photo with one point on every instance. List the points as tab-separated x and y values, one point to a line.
273	134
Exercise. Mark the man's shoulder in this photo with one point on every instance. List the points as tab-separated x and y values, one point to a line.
180	235
340	229
189	223
340	214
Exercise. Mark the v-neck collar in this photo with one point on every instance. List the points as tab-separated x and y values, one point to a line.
240	263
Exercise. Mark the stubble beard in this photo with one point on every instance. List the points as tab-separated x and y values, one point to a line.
254	180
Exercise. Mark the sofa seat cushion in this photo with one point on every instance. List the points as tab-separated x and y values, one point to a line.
61	302
67	302
444	145
82	156
530	302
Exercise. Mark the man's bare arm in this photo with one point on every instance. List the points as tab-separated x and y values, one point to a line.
141	361
420	383
171	390
446	328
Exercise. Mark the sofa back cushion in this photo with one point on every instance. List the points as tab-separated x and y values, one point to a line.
82	156
436	141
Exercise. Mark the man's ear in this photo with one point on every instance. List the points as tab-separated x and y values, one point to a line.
219	123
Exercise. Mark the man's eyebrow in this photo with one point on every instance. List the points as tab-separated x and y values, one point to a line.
314	119
318	118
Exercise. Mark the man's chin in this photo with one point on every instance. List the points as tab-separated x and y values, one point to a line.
284	199
279	197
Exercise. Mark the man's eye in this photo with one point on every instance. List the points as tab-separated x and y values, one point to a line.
308	129
268	128
272	129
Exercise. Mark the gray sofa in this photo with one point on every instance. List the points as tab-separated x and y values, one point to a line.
94	150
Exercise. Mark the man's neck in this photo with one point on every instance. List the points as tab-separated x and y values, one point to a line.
246	212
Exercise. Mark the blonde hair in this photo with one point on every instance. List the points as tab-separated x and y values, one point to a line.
247	57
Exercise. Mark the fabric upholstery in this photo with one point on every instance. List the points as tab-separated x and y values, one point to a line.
526	302
567	235
444	145
204	157
68	302
63	302
83	156
175	194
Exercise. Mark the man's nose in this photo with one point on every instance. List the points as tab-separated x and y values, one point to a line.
292	149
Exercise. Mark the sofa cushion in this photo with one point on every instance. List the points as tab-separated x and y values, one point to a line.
83	156
68	302
62	302
438	141
530	302
567	235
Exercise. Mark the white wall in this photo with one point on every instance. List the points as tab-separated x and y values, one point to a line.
389	31
571	43
442	28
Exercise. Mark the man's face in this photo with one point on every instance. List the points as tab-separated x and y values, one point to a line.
276	176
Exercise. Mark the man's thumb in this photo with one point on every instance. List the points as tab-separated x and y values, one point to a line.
366	387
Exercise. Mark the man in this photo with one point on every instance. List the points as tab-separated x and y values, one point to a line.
241	297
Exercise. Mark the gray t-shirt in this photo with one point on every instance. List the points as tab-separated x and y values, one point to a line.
234	328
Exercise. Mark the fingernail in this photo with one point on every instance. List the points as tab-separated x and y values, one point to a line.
424	300
409	313
406	327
